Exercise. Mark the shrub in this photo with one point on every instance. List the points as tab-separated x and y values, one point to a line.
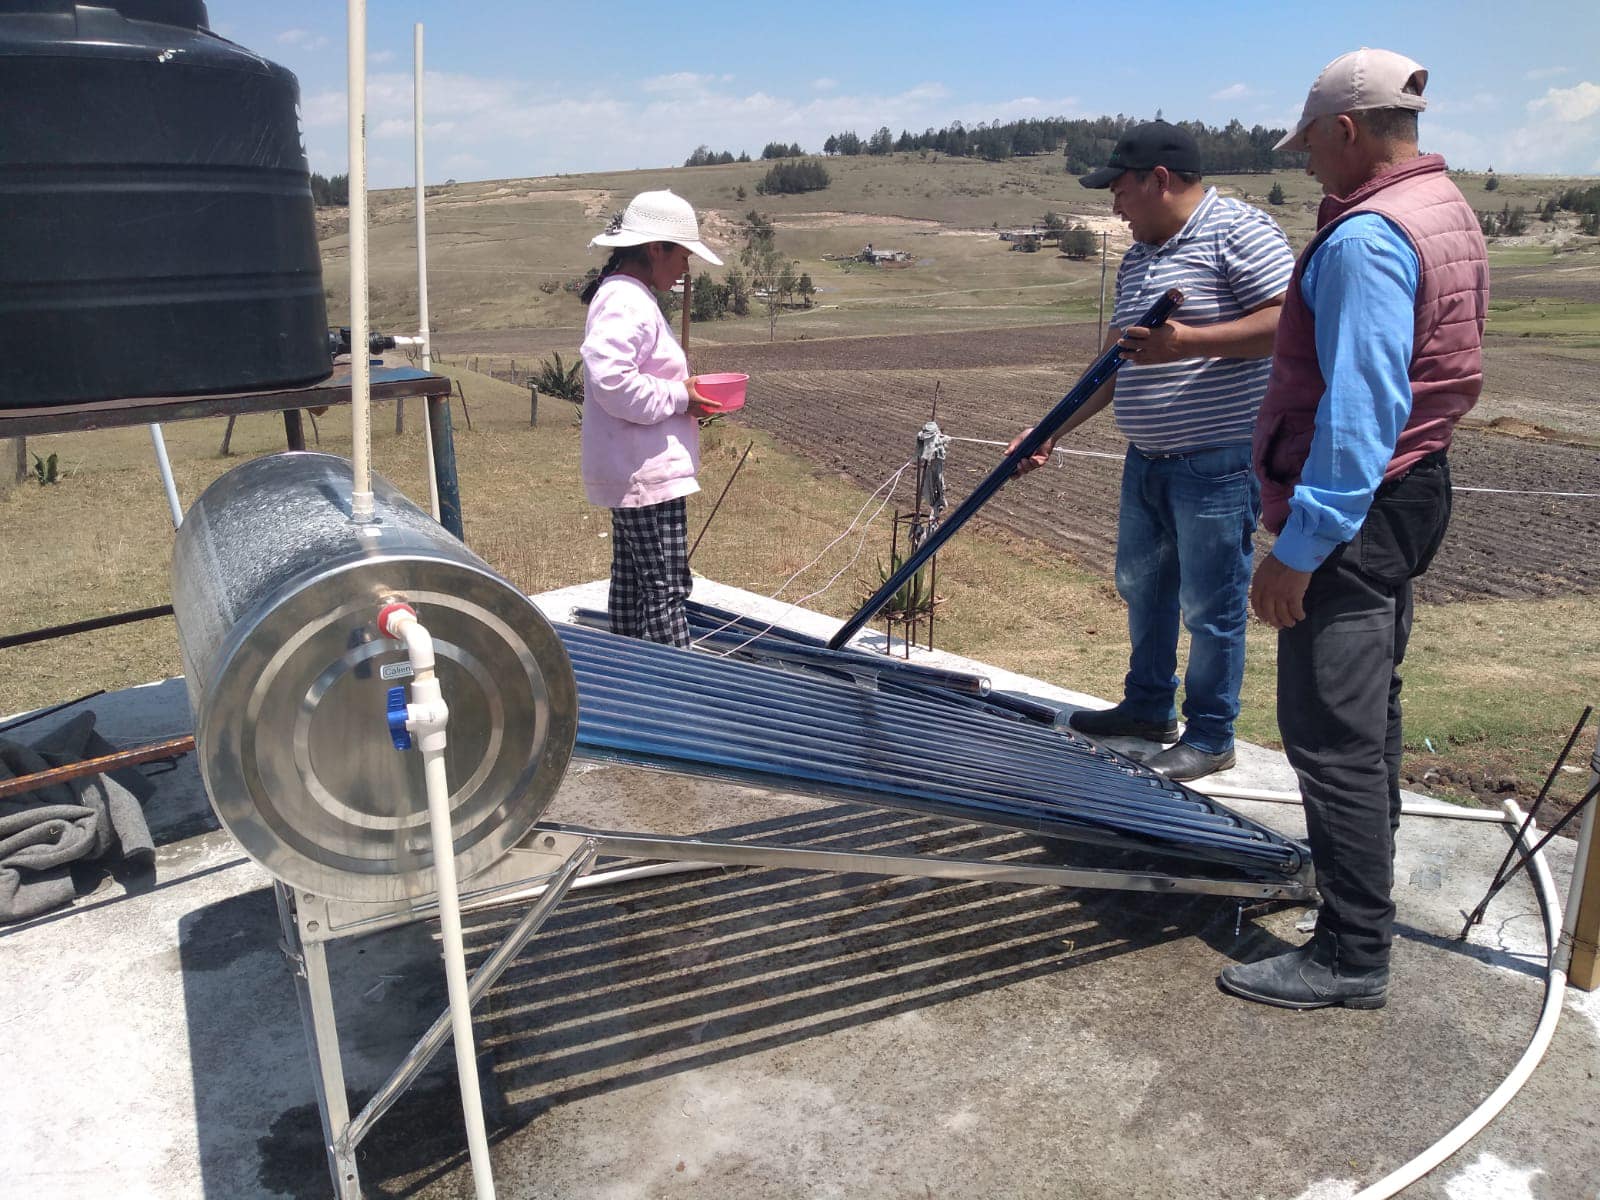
557	379
789	178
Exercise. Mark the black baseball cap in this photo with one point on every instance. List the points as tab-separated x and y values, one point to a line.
1153	144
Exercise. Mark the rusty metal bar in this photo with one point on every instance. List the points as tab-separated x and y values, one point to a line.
171	748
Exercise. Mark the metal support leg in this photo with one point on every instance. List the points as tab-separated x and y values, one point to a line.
442	439
482	980
310	966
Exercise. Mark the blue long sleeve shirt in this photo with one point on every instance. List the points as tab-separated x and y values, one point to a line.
1361	287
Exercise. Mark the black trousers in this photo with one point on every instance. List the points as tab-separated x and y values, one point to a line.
1339	707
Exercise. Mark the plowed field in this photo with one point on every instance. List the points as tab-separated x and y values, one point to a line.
853	406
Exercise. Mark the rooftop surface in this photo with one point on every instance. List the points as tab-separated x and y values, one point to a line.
773	1033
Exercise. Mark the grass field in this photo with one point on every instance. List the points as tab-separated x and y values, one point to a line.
1492	687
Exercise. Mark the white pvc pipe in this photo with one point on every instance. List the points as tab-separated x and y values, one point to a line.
422	265
164	465
1409	808
427	718
1558	943
361	507
1555	988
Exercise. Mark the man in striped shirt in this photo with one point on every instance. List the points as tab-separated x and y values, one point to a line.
1186	401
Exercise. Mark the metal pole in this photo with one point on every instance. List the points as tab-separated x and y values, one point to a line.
164	465
1100	326
422	262
104	765
1102	369
720	499
361	506
315	993
686	286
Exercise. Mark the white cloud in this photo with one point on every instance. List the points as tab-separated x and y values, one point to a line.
515	126
302	39
381	56
1559	134
1548	72
824	84
680	81
1234	91
1457	106
1568	105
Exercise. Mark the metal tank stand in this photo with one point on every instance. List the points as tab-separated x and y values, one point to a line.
543	868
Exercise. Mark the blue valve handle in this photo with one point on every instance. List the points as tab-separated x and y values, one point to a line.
396	712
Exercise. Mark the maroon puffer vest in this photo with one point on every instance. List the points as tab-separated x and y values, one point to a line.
1447	350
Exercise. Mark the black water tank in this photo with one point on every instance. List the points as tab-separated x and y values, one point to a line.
157	234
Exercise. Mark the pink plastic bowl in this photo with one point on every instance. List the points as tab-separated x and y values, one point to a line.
726	390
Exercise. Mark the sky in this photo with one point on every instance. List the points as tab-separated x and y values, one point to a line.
516	88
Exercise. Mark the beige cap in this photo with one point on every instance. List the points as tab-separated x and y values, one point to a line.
1359	80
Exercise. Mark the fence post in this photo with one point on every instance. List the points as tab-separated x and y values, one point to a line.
21	474
533	405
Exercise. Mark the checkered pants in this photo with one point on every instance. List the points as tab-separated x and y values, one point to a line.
650	572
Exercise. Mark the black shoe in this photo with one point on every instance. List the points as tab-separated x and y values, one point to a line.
1184	762
1115	722
1301	979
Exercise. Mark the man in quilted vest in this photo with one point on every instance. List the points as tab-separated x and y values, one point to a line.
1377	356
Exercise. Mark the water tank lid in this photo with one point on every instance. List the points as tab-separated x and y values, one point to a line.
185	14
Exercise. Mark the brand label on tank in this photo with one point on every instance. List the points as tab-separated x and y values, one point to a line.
399	670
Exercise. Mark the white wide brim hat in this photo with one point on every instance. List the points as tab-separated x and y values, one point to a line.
657	217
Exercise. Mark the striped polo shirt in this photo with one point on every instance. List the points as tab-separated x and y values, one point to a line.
1228	258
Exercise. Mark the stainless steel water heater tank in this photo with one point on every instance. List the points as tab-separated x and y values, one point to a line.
277	593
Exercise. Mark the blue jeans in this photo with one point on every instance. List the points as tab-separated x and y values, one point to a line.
1183	551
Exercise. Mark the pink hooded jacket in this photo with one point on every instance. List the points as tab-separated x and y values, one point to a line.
640	445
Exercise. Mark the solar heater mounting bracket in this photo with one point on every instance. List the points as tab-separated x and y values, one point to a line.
539	872
523	873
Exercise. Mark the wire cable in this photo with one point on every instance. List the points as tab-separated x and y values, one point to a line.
887	487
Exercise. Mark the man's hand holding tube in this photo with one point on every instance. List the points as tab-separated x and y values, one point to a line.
1038	458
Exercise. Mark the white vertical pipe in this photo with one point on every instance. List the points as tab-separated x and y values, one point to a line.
422	261
455	970
164	465
427	718
361	509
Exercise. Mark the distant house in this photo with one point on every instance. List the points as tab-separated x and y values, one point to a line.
1030	241
871	255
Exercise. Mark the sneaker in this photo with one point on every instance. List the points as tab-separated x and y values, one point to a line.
1115	722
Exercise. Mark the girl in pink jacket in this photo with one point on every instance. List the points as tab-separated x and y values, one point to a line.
641	437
